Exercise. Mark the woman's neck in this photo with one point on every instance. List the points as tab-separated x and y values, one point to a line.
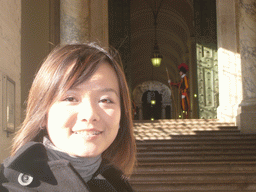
86	167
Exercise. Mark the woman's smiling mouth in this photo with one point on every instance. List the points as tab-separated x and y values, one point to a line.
88	133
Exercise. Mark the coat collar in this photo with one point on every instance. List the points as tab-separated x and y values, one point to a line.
30	159
182	76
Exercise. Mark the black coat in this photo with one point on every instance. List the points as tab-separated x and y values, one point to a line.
29	170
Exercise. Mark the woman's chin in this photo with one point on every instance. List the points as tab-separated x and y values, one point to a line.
84	152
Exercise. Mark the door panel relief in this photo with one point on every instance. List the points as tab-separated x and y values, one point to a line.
208	84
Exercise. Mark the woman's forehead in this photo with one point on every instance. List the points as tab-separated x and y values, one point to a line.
103	79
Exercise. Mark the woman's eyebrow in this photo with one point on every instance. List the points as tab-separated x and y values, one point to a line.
104	90
109	90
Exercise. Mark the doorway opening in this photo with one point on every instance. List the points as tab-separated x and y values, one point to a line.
152	105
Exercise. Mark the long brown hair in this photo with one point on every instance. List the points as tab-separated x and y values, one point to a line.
65	67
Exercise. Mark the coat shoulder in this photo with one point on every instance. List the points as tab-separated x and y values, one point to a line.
3	179
114	177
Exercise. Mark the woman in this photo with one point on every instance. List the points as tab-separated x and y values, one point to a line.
77	134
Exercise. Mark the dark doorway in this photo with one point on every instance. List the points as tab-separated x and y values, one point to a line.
152	110
168	112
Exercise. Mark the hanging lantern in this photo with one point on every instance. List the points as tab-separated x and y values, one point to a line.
156	59
153	98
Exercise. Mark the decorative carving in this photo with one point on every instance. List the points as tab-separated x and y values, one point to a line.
250	8
207	86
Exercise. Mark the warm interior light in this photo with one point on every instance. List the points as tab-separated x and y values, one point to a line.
156	61
152	119
195	95
153	102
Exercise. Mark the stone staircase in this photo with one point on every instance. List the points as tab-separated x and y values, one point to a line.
193	156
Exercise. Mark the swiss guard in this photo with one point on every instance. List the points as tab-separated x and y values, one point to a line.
183	87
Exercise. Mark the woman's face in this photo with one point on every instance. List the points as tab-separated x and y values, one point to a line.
85	121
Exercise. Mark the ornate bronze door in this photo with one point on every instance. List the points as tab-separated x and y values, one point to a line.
208	84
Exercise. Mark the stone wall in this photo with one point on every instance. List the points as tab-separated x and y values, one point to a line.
10	41
25	42
35	42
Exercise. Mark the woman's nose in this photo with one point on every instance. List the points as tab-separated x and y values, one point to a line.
88	112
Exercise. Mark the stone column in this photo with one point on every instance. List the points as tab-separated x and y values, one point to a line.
140	111
229	64
163	115
247	30
74	21
84	20
193	79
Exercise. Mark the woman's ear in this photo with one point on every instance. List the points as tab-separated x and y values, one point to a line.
43	123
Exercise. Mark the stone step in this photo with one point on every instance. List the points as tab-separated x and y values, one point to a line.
197	153
216	147
184	127
197	158
198	141
174	186
178	167
226	190
172	124
170	134
186	150
207	137
202	191
164	129
187	128
162	122
195	176
218	131
193	156
162	143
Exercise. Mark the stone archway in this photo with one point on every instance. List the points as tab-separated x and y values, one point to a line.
152	86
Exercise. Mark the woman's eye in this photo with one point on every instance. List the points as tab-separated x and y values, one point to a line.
105	101
70	99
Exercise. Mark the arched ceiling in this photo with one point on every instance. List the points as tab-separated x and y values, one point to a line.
174	29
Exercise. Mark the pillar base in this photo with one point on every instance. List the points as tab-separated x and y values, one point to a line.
227	113
246	118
